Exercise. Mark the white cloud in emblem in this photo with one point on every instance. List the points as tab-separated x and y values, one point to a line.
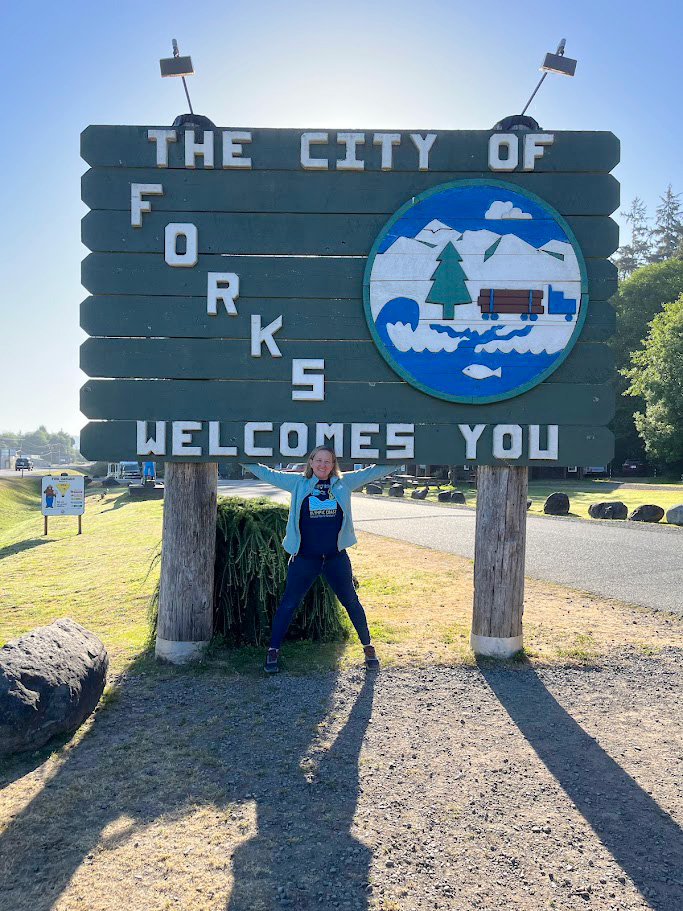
501	210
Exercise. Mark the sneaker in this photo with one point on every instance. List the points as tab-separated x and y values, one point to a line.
371	659
270	666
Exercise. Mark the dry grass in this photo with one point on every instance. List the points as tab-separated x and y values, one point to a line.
419	605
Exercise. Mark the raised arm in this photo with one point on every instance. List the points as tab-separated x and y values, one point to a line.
285	480
355	479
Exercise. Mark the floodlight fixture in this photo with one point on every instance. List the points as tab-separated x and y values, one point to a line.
178	66
554	63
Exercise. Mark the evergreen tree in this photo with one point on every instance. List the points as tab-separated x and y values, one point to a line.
449	286
668	231
636	254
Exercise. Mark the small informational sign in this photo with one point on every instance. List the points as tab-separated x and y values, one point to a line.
63	495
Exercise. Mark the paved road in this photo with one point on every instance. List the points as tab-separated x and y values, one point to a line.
639	564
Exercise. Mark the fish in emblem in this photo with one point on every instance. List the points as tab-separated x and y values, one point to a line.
480	372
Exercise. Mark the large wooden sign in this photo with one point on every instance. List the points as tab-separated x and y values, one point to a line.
437	297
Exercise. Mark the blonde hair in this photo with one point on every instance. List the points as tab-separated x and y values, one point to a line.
308	472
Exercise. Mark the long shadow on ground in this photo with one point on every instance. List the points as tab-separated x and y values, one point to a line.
166	745
643	839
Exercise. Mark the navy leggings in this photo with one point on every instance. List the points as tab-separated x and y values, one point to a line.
301	574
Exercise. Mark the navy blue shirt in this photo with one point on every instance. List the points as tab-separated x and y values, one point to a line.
320	522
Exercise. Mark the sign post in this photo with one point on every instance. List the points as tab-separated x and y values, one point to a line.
407	297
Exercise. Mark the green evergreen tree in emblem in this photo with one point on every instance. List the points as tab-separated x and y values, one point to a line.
449	286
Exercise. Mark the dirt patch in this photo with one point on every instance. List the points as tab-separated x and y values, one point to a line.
480	787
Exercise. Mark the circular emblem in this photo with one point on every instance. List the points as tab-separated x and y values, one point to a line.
475	291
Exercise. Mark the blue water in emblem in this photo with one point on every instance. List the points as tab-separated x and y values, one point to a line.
442	370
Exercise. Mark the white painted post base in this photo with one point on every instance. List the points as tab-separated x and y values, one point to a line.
495	646
179	652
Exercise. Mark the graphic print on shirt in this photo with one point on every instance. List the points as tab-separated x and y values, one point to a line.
319	506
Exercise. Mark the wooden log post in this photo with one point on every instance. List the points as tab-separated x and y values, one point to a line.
188	550
499	549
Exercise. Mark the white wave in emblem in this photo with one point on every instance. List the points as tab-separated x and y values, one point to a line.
405	338
549	339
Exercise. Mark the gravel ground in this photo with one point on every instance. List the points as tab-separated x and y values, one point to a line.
484	787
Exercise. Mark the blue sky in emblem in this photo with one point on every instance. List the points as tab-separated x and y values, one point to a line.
464	208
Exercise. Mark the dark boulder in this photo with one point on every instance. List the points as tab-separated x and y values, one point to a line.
557	504
674	516
373	488
420	494
647	513
457	496
528	504
610	509
51	679
444	496
396	490
110	482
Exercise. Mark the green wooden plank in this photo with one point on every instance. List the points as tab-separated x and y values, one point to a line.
304	277
453	150
327	191
272	400
436	444
185	317
219	359
322	234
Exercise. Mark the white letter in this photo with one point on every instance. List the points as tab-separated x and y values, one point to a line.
204	148
315	382
533	148
232	149
307	140
350	140
325	432
401	435
138	205
500	431
171	235
360	441
215	447
535	451
215	292
471	435
182	435
155	445
508	141
259	336
387	141
423	145
162	139
301	431
250	447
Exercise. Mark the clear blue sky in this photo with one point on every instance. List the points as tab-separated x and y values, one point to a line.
437	64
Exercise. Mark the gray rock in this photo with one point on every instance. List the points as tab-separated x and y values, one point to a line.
457	496
674	516
557	504
420	494
444	496
647	513
51	679
396	490
373	488
610	509
528	504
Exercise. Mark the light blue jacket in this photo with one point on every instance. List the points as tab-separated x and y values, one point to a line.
300	487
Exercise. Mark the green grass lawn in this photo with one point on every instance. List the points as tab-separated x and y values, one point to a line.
582	493
100	579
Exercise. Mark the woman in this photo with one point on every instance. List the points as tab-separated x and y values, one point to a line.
319	529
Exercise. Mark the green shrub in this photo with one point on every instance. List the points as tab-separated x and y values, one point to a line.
251	569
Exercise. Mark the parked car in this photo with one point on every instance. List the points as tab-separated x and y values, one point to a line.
295	467
634	466
23	464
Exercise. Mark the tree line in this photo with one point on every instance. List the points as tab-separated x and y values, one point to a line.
41	442
648	341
